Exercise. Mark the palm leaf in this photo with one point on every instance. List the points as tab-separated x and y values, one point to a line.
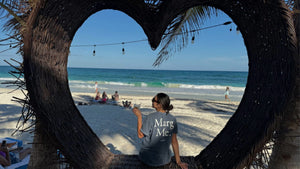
15	9
13	14
8	7
179	31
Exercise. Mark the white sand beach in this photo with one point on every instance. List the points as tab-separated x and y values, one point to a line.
199	121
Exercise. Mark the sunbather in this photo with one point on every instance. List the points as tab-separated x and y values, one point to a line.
115	97
8	158
4	155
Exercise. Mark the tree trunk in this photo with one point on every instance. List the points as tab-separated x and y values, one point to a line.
42	151
46	49
286	153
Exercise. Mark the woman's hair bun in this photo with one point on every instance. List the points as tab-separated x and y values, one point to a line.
170	107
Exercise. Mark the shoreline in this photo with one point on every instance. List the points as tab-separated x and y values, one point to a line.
199	121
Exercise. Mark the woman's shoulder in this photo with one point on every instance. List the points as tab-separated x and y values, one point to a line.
171	115
153	114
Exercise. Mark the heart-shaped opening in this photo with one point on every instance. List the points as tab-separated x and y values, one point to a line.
197	96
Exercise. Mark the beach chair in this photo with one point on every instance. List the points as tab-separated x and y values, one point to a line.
12	143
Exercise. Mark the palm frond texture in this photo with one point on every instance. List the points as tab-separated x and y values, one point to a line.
181	29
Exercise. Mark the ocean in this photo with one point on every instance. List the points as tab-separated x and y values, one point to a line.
201	85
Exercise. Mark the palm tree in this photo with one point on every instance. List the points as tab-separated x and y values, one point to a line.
42	152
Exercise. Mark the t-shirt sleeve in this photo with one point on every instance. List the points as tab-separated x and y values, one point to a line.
175	127
146	126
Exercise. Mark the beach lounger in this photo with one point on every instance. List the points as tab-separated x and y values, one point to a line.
12	143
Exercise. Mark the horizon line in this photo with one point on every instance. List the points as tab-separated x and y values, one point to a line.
146	69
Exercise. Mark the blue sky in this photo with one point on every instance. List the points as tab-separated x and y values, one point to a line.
214	49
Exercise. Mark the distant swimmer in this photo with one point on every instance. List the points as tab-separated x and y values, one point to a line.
96	87
227	94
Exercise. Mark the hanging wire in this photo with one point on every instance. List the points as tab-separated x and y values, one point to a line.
111	44
121	43
141	40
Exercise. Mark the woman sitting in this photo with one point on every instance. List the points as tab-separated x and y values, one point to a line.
115	97
158	131
4	156
104	98
97	98
10	158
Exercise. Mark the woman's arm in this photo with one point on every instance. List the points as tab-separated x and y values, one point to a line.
138	114
5	161
176	152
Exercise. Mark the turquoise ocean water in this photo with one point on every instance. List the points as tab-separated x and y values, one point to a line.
208	85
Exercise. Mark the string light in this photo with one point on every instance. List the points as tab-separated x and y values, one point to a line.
237	30
94	52
136	41
123	50
193	39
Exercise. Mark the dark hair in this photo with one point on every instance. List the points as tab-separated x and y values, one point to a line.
164	100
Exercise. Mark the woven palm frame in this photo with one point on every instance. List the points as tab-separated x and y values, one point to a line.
270	43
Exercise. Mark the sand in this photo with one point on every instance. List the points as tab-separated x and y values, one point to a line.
199	121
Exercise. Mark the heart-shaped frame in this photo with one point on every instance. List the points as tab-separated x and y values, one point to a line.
270	44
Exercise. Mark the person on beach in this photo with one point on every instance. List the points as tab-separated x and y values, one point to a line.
227	94
96	87
97	98
159	127
126	104
104	97
8	158
4	156
115	97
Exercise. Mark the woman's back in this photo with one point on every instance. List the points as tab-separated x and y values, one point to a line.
158	128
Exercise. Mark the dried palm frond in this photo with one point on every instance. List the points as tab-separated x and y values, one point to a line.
14	13
153	2
290	3
14	8
179	31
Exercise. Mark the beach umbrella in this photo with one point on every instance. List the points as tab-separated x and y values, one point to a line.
270	96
